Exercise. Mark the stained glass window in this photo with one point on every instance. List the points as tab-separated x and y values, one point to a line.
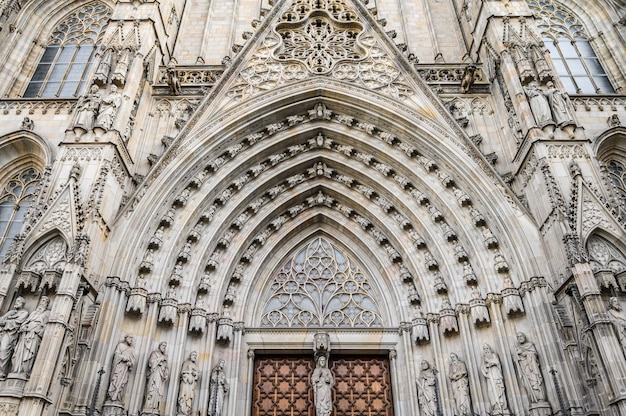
14	200
65	64
617	174
575	61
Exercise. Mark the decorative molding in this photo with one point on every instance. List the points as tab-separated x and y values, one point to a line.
39	106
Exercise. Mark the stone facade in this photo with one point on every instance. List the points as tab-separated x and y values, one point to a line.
418	180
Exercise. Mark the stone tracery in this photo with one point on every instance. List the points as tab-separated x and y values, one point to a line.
320	286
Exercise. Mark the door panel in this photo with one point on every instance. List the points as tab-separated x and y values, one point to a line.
282	386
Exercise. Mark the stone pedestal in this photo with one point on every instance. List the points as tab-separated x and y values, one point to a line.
14	385
540	409
113	409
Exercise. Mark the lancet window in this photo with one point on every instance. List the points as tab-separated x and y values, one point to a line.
575	60
617	174
14	201
321	287
66	63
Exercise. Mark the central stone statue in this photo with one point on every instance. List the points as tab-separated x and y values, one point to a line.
323	382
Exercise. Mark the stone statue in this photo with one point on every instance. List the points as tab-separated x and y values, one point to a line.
157	374
468	78
618	318
87	109
539	105
27	124
558	103
187	389
108	110
218	387
30	335
528	361
457	373
491	368
172	79
10	323
123	362
427	389
323	382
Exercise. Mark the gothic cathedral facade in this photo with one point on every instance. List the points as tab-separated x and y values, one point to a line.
313	207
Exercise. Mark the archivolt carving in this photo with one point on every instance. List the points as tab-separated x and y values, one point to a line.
320	286
323	143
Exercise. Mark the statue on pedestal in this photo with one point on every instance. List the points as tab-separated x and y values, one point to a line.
459	382
30	335
323	382
10	324
158	372
108	109
618	318
528	361
218	387
558	104
123	362
539	105
491	368
87	110
187	389
427	389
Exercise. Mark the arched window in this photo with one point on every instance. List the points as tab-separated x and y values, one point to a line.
617	173
66	62
576	63
15	198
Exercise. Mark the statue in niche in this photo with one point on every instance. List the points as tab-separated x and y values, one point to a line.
123	362
218	387
108	109
457	373
618	318
539	105
323	382
528	361
30	335
558	104
87	109
427	389
157	374
10	324
187	389
491	368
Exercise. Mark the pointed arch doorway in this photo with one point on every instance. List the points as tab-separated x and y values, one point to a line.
321	287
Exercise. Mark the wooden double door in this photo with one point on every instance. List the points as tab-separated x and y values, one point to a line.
282	386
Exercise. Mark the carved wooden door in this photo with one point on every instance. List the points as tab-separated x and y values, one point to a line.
282	386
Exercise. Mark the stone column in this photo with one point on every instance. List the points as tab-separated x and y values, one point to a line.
38	386
610	349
